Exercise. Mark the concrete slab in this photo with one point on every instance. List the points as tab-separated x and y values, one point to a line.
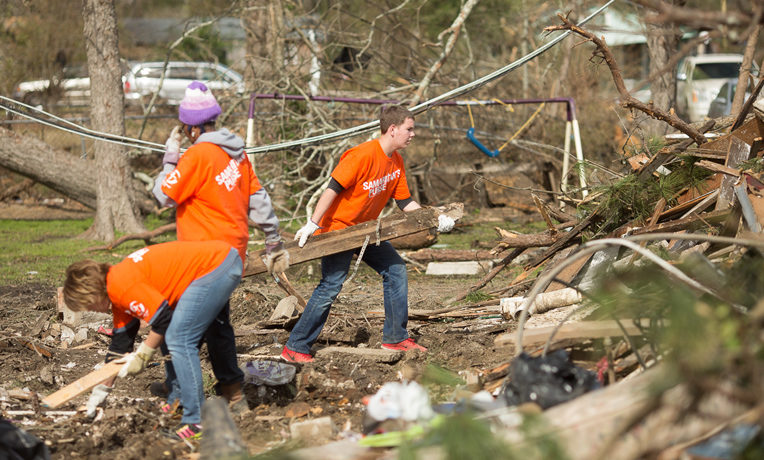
286	308
379	355
471	267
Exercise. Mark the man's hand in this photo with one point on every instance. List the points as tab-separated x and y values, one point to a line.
172	147
276	257
97	397
305	232
136	362
445	223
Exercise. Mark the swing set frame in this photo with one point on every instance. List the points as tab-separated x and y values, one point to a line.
572	130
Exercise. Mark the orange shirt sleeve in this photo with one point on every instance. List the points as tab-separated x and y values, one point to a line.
347	169
254	182
137	300
183	182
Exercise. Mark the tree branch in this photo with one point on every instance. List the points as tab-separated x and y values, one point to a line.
627	100
454	31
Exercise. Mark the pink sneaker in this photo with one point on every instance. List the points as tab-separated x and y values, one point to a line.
406	345
295	357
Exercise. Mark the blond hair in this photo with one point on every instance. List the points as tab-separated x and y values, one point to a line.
393	115
85	284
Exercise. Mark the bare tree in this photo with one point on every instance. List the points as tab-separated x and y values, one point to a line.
662	44
745	70
115	209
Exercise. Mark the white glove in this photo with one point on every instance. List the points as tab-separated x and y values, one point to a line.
303	233
276	257
97	397
445	223
136	362
172	147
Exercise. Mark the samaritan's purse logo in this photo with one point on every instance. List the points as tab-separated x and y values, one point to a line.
137	309
229	176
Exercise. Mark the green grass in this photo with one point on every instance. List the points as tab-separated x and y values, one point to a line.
468	237
40	251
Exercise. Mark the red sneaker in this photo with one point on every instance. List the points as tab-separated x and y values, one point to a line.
295	357
406	345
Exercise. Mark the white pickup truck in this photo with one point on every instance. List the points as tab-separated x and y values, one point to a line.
699	79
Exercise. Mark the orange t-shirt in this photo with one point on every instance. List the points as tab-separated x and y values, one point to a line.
369	178
140	284
212	192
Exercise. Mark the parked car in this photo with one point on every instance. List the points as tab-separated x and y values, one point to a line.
72	87
699	79
142	80
721	106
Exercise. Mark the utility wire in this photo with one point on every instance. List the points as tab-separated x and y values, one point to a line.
63	124
432	102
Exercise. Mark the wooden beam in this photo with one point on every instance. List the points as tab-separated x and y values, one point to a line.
393	226
578	330
449	255
716	167
692	222
81	385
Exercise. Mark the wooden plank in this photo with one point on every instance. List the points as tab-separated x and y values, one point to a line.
716	167
393	226
738	152
81	385
577	330
687	223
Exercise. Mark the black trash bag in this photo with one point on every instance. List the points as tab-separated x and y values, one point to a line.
547	380
17	444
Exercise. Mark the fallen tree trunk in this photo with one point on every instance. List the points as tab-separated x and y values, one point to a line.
530	240
393	226
449	255
63	172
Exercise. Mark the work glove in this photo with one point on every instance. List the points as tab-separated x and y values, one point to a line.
445	223
172	147
276	257
305	232
97	397
136	362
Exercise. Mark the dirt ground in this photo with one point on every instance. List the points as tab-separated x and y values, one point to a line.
131	424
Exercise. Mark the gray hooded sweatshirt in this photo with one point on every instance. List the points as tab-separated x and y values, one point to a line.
260	206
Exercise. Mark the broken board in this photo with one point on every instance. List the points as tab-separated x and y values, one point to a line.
577	330
82	385
393	226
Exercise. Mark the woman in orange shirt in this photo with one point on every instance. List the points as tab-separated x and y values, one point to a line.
215	190
178	288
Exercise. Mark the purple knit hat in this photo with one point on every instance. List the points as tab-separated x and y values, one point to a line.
198	105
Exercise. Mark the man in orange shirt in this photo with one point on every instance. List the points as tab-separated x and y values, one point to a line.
179	289
215	190
365	179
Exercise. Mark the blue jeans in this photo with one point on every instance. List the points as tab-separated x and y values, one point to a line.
198	308
384	259
221	346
